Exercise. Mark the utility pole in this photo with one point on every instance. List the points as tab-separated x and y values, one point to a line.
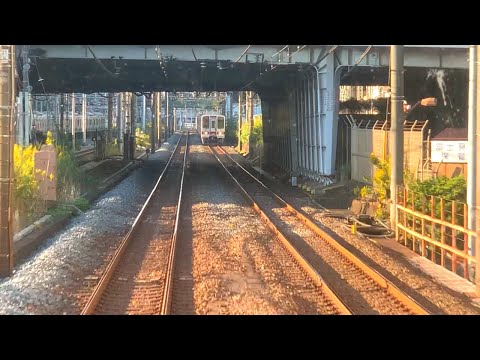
396	129
476	248
109	117
26	95
144	112
153	133
84	119
239	120
159	112
74	123
133	124
20	124
174	119
62	112
231	106
7	104
252	122
168	132
119	118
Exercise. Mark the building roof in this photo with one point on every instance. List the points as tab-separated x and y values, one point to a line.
451	134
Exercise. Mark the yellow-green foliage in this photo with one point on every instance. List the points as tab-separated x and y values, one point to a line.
50	139
245	134
142	139
25	185
257	131
381	177
365	191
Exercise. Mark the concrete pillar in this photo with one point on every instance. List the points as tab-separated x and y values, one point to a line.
396	129
329	87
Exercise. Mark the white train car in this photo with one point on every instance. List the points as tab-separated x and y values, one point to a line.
211	128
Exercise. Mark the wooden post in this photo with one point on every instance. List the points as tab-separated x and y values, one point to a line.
454	235
423	226
432	232
442	231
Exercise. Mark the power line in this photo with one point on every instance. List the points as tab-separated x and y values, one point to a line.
273	68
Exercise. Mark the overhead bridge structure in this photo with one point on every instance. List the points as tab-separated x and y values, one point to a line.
298	84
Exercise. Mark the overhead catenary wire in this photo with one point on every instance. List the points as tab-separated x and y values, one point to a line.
243	53
367	50
273	68
320	58
101	64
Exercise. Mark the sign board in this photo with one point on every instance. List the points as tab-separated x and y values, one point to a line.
449	151
45	163
5	56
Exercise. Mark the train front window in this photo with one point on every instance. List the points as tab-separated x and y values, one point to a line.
212	124
221	123
205	122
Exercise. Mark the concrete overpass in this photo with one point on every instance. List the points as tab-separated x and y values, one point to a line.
298	84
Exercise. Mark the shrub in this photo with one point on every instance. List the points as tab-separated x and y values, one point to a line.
25	185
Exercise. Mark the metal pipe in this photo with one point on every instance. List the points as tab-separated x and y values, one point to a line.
7	106
320	127
396	130
306	119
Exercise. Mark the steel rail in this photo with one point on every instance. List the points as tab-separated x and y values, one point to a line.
97	293
378	278
304	264
168	290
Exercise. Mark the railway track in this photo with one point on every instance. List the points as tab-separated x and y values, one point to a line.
331	303
139	278
80	154
362	289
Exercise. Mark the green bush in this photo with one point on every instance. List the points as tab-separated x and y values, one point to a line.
81	203
448	188
68	174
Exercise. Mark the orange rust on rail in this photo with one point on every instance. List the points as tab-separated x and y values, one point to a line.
168	293
306	266
372	273
107	275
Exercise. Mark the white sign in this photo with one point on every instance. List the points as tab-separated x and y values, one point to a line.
5	54
449	151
